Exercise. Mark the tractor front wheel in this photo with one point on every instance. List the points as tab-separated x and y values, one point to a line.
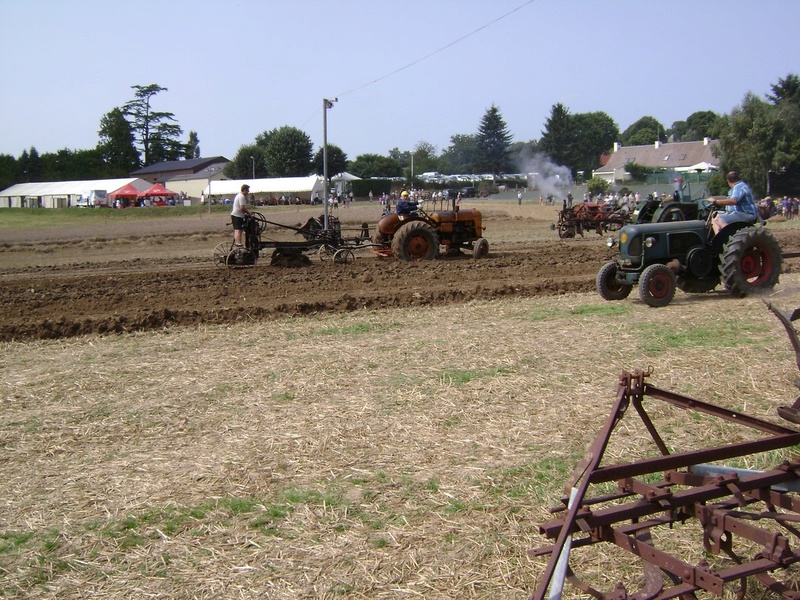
481	248
416	240
657	286
751	261
607	285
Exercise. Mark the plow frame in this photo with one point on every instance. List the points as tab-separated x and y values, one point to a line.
589	216
725	502
328	243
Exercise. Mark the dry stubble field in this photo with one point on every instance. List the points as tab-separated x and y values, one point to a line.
402	438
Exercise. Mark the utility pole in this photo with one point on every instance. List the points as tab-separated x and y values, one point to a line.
326	104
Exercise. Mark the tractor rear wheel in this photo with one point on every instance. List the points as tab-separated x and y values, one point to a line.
657	286
416	240
607	285
751	261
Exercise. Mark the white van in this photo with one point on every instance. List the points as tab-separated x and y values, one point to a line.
93	198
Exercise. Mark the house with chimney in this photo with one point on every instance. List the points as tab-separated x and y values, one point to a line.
678	157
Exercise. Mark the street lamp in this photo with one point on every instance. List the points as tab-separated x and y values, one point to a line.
326	104
253	160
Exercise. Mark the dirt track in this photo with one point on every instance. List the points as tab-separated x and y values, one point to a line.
142	281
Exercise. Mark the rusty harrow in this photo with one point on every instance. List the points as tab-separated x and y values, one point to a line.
748	520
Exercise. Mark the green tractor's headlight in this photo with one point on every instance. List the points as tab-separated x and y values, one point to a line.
649	242
623	238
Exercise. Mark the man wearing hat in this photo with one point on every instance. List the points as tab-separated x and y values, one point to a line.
238	213
404	205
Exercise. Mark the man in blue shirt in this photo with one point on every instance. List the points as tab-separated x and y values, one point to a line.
404	205
740	206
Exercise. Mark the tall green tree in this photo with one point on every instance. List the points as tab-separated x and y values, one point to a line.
559	138
288	153
30	166
643	132
761	139
787	90
337	161
248	158
117	146
375	165
424	158
595	134
460	156
493	142
697	126
749	137
9	171
164	146
403	158
192	146
152	128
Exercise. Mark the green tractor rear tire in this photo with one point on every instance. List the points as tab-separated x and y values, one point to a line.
751	261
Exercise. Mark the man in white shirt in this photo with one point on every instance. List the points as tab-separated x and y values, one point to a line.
238	213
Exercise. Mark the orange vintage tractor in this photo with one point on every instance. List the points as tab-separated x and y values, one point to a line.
417	236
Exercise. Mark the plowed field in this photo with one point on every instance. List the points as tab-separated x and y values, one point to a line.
154	274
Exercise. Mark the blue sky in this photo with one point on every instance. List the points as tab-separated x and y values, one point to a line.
401	71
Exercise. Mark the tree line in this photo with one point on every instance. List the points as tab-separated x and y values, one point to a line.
760	138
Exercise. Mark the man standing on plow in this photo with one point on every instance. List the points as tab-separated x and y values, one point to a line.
238	213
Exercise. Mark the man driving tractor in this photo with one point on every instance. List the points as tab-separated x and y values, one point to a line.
739	204
406	206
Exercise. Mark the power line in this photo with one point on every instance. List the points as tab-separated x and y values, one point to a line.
427	56
442	49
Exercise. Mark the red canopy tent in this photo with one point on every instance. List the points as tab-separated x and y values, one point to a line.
126	191
155	191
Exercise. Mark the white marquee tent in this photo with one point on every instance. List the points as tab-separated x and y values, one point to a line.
61	194
296	186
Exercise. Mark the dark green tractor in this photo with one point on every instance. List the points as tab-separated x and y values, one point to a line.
655	210
685	254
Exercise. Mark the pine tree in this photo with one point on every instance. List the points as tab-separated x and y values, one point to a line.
493	143
559	140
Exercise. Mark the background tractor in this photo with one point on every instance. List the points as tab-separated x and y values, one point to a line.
660	257
418	236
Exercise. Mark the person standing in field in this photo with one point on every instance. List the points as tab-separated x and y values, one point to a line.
238	212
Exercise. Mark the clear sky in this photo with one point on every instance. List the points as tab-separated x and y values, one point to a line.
401	70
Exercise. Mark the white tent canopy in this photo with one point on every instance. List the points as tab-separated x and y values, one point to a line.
701	166
54	194
277	185
344	176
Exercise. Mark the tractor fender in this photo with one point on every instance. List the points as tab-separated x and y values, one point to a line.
389	224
